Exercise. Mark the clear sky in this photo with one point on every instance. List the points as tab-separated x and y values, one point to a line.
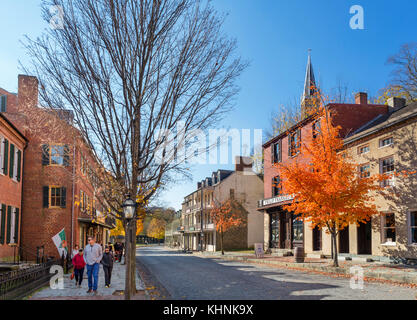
274	35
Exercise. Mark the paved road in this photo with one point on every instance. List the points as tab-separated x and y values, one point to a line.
188	277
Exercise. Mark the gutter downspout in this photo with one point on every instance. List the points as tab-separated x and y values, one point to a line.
73	195
21	195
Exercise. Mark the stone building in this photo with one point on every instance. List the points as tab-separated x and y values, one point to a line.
241	185
12	146
57	180
387	144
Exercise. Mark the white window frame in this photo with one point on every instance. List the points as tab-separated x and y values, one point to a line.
12	225
386	138
364	146
15	164
409	227
381	171
383	228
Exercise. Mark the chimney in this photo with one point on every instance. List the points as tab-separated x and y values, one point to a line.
361	98
27	91
396	103
243	163
198	185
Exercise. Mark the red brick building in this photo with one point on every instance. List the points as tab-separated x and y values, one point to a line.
57	190
282	230
12	146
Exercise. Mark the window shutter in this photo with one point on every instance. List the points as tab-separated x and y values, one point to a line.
280	151
3	223
9	223
45	155
272	154
3	103
11	166
19	164
16	226
66	155
46	197
299	140
64	197
289	145
6	156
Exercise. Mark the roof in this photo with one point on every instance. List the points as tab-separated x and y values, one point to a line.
383	121
13	126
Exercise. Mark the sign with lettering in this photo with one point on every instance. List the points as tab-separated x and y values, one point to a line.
267	202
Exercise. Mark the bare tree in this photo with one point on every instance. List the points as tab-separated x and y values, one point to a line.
140	77
405	72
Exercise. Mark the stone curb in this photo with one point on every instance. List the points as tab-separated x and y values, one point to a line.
377	275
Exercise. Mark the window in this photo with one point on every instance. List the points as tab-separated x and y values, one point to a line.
3	214
57	155
54	197
3	103
4	164
386	142
294	143
388	228
387	167
316	129
276	186
413	227
277	152
364	171
363	149
297	228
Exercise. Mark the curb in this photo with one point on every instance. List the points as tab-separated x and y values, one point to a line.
368	275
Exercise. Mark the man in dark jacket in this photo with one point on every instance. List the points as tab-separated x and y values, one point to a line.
107	263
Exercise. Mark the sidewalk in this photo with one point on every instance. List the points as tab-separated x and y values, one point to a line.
400	274
71	292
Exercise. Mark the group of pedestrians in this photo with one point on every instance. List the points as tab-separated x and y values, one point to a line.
91	257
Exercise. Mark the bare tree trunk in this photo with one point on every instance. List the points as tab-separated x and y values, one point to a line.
221	240
334	244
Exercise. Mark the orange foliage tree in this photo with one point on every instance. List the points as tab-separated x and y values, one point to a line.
327	189
225	216
156	228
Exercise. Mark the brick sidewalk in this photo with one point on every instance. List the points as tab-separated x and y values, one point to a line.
71	292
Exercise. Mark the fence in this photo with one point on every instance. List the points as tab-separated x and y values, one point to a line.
19	283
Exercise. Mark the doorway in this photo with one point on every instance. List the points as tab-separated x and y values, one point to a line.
316	239
365	238
344	240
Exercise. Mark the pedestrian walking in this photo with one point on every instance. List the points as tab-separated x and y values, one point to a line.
79	265
75	251
107	263
93	254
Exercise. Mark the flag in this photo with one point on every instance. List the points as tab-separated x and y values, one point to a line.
60	242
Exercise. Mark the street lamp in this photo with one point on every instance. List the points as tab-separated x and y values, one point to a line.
129	213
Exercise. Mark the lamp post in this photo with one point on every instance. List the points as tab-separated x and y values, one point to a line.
129	212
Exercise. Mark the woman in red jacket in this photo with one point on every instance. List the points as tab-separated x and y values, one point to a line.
79	264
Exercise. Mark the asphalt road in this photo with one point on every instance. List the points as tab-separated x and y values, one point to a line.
189	277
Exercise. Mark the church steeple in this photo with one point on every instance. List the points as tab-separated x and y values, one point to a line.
310	87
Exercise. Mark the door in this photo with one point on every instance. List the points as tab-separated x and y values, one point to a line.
297	232
344	240
316	239
274	230
365	238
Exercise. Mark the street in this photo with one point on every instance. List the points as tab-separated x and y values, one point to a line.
189	277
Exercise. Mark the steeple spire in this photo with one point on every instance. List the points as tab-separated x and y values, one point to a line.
310	87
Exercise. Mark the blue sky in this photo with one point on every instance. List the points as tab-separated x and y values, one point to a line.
274	35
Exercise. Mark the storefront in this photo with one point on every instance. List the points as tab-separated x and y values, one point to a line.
282	229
